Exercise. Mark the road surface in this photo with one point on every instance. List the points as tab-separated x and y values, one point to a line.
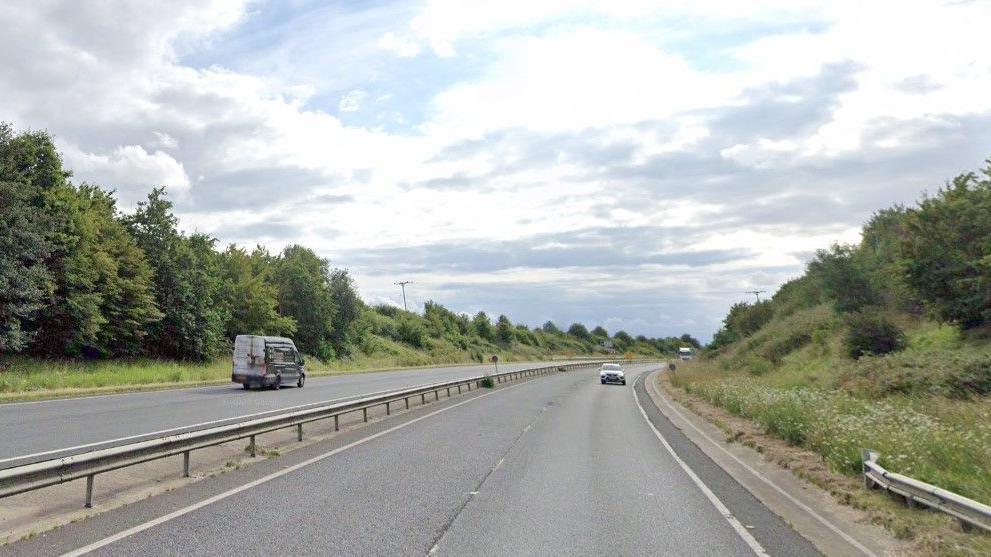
32	429
554	466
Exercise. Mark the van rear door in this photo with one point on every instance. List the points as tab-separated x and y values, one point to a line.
282	360
249	357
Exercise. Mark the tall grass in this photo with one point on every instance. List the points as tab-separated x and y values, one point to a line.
953	454
19	375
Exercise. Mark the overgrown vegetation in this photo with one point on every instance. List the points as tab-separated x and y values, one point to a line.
880	345
104	297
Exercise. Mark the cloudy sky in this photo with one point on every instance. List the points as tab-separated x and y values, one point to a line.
636	164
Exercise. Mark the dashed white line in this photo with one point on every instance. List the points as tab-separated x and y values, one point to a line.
221	496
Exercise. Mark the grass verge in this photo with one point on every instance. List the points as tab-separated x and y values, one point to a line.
948	445
23	379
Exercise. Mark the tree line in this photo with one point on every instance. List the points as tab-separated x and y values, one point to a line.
932	259
81	278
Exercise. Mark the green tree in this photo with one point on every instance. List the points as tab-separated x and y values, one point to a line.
600	331
843	278
26	226
347	309
24	278
482	326
103	301
946	254
187	282
410	330
550	328
690	341
504	330
124	282
72	319
303	280
251	296
623	340
579	331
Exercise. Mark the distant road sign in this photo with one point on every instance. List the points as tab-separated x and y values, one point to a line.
495	359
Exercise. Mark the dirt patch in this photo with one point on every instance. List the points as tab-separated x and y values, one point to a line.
924	533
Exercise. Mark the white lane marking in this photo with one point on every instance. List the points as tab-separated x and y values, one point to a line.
196	426
221	496
239	417
732	520
825	522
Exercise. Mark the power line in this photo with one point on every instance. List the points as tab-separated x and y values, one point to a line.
403	284
756	293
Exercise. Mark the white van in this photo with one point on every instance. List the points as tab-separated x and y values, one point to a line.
685	353
261	361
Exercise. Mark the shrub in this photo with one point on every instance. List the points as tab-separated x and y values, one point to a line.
946	252
841	276
411	331
872	334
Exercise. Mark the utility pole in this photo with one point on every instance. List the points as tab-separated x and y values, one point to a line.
756	293
403	284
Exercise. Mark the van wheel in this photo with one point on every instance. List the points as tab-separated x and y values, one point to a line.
302	380
247	386
278	383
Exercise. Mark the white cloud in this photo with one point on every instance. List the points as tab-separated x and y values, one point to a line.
130	169
165	140
351	101
404	47
575	78
531	118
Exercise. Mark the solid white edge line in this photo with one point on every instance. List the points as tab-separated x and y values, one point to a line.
732	520
221	496
836	529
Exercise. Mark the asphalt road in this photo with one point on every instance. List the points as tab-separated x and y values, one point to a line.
555	466
30	428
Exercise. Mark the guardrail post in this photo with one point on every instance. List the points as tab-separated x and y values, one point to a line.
388	408
253	447
437	394
865	457
459	389
407	402
337	422
364	414
448	392
299	432
185	464
89	491
423	398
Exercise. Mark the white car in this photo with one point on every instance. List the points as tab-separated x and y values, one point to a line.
612	373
